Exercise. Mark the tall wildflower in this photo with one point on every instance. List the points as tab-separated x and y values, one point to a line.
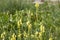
25	34
19	36
37	3
42	28
29	25
19	23
40	35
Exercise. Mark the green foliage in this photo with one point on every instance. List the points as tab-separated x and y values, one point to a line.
19	22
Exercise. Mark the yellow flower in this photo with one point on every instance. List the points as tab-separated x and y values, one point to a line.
36	33
42	28
36	4
19	23
40	34
19	35
2	35
32	14
25	34
29	26
28	22
32	35
50	38
13	37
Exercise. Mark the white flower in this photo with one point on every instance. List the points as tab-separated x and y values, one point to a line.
54	0
38	1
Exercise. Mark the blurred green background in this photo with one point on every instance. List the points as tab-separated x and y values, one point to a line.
24	12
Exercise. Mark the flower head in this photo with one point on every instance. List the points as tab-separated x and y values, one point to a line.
50	38
19	23
28	22
36	4
3	34
13	37
42	28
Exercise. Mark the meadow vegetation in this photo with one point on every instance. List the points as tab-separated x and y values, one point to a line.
22	21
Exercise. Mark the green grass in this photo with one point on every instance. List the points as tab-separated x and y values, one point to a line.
24	24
